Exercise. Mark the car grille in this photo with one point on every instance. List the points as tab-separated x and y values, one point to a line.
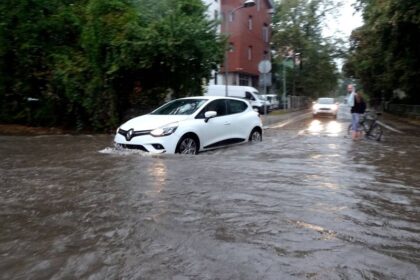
134	134
133	147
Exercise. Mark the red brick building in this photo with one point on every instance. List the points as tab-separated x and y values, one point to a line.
249	40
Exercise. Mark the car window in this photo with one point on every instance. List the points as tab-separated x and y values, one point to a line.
260	97
236	106
180	107
249	96
217	105
326	101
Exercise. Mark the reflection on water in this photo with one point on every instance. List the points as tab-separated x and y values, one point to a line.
298	205
158	171
326	127
334	128
315	127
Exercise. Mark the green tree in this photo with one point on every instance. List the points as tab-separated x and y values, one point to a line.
89	61
30	33
384	52
297	26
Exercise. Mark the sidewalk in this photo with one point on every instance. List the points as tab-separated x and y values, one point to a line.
402	124
412	121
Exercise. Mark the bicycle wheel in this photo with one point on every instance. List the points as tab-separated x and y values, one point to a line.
365	127
375	132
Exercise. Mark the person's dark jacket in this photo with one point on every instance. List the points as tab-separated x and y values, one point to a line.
359	107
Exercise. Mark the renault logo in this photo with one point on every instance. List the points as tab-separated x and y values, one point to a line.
129	134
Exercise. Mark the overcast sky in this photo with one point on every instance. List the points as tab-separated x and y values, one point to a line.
344	23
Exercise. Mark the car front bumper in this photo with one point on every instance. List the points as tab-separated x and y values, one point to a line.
148	143
325	111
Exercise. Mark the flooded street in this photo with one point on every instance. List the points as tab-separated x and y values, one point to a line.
306	203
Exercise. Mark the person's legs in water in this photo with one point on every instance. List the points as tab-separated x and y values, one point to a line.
355	126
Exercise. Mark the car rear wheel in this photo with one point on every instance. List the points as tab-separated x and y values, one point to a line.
255	135
187	145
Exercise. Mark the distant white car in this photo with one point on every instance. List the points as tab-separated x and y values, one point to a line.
190	125
273	99
325	106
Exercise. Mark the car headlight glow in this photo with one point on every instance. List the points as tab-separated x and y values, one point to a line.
164	131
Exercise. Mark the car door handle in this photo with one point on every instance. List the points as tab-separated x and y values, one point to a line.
226	123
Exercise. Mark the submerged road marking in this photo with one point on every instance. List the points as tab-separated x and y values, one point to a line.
389	127
289	121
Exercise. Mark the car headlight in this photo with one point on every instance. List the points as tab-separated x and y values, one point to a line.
164	131
315	107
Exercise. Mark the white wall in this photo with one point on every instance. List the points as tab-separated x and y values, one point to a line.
214	6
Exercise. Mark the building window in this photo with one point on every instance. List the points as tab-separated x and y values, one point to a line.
250	22
216	14
265	33
231	47
265	55
250	53
243	80
258	4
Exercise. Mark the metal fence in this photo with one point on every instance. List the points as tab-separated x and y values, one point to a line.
405	110
298	102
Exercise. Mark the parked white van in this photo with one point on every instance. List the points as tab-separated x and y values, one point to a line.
249	93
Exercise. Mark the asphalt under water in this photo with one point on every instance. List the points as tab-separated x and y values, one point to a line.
306	203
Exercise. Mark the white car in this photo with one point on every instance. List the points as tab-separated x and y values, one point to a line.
273	99
325	106
190	125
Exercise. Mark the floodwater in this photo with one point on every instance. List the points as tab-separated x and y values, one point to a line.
306	203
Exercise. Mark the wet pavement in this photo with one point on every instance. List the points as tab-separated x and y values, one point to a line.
306	203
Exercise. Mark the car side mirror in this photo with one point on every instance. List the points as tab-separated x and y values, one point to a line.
209	114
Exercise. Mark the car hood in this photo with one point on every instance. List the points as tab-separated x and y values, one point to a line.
150	122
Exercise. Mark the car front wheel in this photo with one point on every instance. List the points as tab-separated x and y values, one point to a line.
255	135
187	145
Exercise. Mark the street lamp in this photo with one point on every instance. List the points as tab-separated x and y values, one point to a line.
246	4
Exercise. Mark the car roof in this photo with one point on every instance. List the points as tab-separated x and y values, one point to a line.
212	97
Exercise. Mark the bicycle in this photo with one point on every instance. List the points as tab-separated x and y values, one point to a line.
368	122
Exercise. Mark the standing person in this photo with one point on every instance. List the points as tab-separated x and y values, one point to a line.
350	95
358	108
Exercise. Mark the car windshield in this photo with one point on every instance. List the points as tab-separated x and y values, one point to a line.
260	97
180	107
326	101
